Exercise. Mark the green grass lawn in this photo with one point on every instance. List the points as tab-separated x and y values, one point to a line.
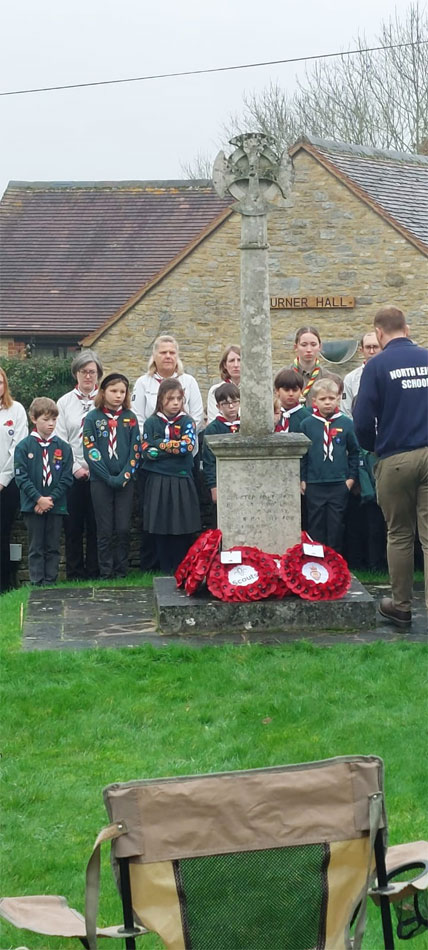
74	722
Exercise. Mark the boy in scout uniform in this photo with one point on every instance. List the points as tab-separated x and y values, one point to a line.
43	473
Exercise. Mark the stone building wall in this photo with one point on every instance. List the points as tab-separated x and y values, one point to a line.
323	240
11	347
327	240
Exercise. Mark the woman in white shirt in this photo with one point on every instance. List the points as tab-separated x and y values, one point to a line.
164	363
230	372
13	428
73	409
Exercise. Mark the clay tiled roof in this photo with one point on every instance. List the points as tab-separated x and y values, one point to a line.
395	184
74	253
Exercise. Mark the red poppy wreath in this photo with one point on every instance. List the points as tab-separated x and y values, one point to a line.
315	578
195	565
282	588
253	579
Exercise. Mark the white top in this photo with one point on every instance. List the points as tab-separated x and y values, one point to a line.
351	385
71	412
13	428
145	394
211	403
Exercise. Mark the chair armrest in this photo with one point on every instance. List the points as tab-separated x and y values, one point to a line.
52	916
397	890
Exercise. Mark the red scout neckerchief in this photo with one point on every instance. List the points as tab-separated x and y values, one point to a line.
172	426
44	445
112	433
329	433
233	426
284	423
87	399
313	377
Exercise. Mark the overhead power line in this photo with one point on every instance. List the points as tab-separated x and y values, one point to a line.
214	69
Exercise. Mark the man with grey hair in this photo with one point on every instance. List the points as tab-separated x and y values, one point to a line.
369	347
365	524
73	408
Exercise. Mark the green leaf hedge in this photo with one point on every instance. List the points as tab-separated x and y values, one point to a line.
37	376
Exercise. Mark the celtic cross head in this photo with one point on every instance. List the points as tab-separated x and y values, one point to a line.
253	173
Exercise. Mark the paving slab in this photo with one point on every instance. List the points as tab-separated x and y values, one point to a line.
111	618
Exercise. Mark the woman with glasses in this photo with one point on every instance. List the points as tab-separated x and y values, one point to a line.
73	409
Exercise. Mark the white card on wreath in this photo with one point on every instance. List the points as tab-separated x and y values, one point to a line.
231	557
314	550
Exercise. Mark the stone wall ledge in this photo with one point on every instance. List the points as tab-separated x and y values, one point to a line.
275	445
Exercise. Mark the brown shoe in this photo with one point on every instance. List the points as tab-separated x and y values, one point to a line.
402	618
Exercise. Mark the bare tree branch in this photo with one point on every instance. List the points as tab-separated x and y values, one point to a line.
378	99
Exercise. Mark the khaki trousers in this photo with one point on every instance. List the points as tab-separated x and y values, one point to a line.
402	493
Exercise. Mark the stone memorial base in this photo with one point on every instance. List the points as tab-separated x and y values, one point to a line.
258	489
176	613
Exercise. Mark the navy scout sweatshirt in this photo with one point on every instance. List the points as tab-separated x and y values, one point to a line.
390	414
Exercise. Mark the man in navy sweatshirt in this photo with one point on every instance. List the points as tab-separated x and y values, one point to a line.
391	419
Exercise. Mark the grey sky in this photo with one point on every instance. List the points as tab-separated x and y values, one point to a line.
146	130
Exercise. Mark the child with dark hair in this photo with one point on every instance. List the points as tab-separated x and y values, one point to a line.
112	451
289	386
43	473
171	505
330	467
226	422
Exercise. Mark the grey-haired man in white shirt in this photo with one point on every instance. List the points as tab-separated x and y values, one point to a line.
369	347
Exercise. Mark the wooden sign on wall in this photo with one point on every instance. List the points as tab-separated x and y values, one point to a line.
311	302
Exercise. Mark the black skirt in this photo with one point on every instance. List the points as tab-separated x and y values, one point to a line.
171	505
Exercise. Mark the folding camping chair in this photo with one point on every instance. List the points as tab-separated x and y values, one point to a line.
269	858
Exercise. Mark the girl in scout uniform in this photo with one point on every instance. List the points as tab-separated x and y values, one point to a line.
164	363
13	428
111	448
171	506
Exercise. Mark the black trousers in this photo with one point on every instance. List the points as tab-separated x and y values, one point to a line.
171	549
326	507
149	559
44	540
78	526
365	535
113	509
9	501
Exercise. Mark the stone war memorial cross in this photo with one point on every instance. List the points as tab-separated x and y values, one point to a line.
258	472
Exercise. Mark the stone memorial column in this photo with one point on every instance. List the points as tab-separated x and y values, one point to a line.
258	472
